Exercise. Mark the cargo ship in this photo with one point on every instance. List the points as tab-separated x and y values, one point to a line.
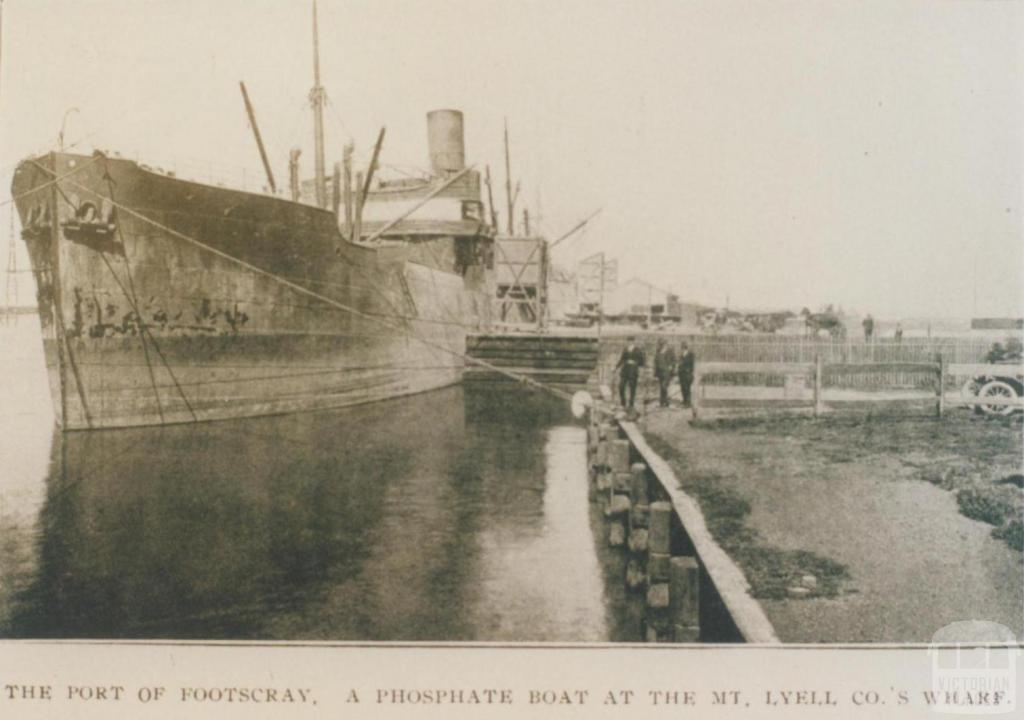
163	300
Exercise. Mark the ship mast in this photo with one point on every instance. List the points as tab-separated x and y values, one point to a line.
316	99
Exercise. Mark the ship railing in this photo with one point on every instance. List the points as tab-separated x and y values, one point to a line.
206	171
214	173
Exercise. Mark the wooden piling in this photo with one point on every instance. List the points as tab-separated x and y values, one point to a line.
616	533
622	483
638	484
617	512
639	516
658	596
601	456
618	456
593	437
940	395
659	525
638	540
679	619
636	574
684	598
657	565
618	507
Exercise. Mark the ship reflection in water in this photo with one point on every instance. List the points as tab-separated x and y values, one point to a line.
441	516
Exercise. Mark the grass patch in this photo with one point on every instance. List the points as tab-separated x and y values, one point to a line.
979	459
1001	506
984	504
1012	533
773	571
770	571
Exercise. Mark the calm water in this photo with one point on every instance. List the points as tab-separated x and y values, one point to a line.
445	516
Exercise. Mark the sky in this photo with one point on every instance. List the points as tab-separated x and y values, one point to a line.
769	154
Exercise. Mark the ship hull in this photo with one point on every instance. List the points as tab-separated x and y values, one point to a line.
170	301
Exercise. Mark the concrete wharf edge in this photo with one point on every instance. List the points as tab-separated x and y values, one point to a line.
728	579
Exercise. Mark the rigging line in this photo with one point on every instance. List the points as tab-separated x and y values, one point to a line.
323	298
59	315
62	341
337	116
142	336
143	329
398	169
48	183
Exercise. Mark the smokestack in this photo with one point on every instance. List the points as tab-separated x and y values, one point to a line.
445	141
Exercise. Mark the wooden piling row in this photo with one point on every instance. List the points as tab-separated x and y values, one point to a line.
640	523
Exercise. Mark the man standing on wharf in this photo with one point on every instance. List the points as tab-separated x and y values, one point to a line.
664	369
630	362
686	364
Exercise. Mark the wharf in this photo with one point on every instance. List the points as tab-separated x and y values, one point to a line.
565	362
892	558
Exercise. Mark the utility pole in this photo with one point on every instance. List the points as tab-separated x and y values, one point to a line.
510	228
526	222
316	99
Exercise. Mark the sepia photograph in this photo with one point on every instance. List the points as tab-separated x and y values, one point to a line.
448	323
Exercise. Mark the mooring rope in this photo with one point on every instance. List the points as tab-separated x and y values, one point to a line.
323	298
48	183
143	328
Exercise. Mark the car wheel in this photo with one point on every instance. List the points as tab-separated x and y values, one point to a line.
996	389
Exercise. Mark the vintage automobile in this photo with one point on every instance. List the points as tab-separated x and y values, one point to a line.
998	384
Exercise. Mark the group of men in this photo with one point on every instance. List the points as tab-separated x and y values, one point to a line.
667	365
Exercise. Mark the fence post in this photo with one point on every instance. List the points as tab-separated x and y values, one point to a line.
819	369
695	392
940	395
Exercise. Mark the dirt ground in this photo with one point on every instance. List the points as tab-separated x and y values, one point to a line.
871	524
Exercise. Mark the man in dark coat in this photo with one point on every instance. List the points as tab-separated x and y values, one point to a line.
630	362
664	369
686	365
